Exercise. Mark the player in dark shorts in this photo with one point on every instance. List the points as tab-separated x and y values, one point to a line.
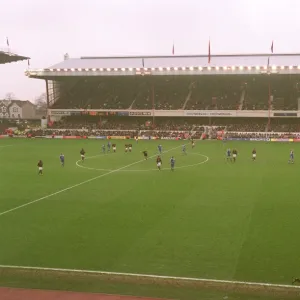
40	167
114	146
234	154
172	162
145	154
130	147
158	162
254	154
126	147
82	153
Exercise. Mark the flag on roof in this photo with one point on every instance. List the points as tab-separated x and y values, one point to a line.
209	51
7	42
272	46
173	49
143	63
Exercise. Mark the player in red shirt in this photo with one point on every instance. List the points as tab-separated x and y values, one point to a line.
40	166
158	162
82	153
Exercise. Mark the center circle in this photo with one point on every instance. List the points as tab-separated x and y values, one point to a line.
140	170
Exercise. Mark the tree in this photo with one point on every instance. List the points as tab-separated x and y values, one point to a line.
10	96
41	102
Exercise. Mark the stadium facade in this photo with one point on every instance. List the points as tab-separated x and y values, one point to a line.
73	85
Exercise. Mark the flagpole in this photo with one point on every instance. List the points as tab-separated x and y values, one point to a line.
269	85
269	104
153	108
209	51
7	43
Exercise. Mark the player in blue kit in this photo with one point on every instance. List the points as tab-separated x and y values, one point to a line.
228	154
172	162
184	149
291	160
103	149
159	148
62	160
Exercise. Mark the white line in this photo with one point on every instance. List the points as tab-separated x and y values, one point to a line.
78	184
147	170
151	276
5	146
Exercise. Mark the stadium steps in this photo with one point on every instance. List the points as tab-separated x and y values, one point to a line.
242	100
188	97
132	103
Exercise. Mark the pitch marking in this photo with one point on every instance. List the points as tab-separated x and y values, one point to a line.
5	146
151	276
78	184
149	170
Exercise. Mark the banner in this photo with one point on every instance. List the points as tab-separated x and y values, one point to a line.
140	113
73	137
237	139
285	114
260	139
175	113
282	140
209	113
60	113
117	137
123	113
169	138
3	136
296	140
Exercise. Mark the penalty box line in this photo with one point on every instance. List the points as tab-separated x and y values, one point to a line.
78	184
155	277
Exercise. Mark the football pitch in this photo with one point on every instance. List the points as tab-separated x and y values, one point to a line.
116	212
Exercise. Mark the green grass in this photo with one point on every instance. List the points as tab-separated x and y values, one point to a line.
214	220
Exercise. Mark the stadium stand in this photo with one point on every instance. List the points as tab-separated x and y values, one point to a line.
174	95
171	93
215	93
6	56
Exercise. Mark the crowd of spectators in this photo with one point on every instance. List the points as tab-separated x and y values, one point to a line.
215	93
180	124
181	92
132	126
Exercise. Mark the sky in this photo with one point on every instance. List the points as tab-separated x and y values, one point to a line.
45	30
